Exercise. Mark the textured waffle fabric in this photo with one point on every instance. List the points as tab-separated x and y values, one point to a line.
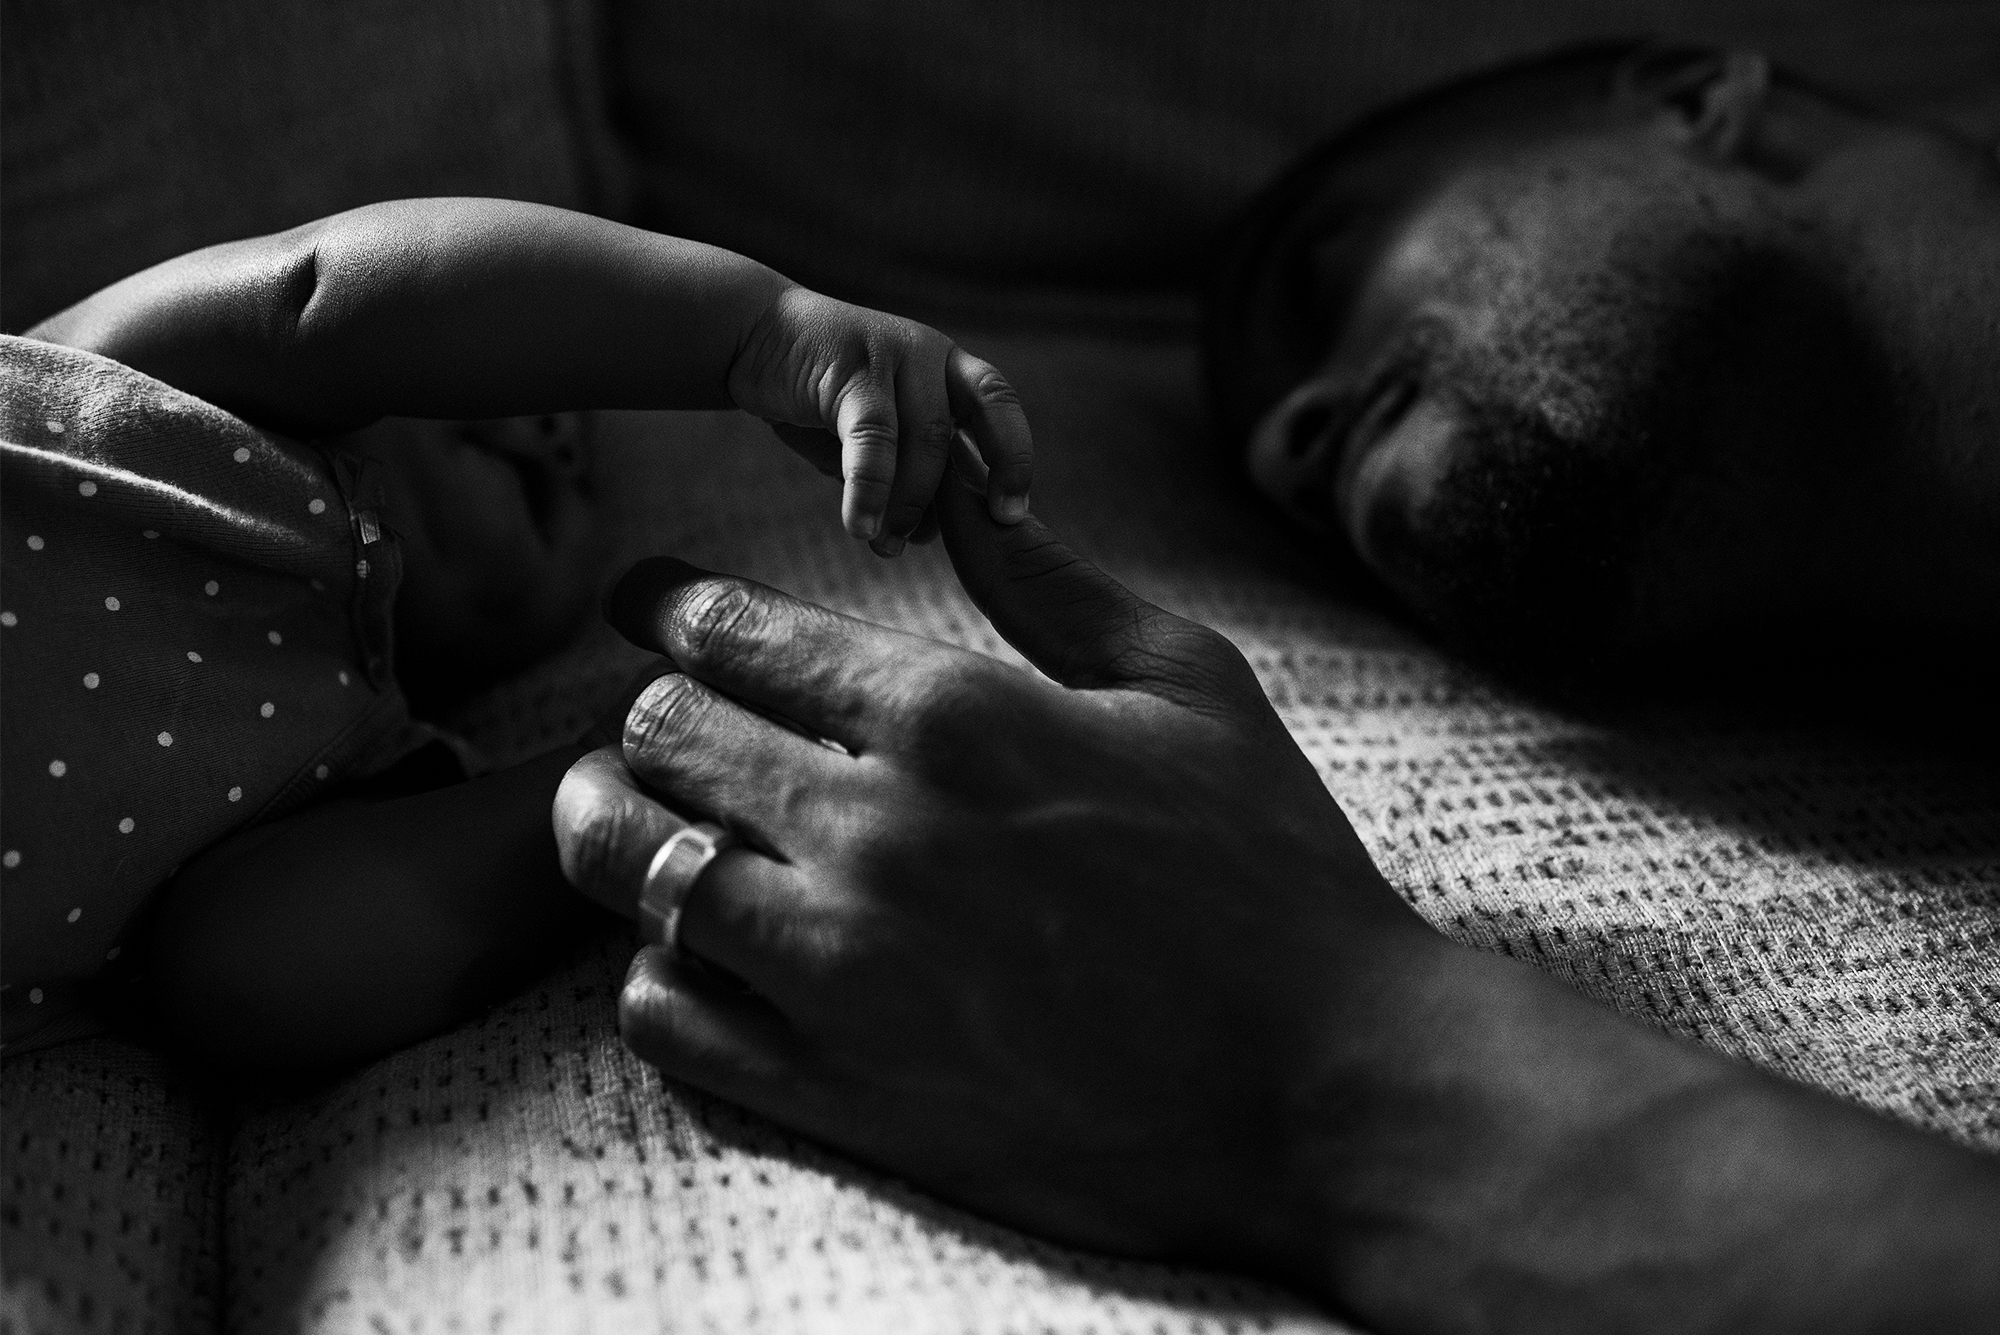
1824	908
1821	906
111	1214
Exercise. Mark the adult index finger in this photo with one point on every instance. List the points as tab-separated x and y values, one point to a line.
832	676
608	828
709	756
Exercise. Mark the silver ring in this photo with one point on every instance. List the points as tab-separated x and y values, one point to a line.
671	876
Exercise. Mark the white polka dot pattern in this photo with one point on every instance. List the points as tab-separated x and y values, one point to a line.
149	631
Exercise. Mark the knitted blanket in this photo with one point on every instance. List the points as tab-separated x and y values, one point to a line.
1822	904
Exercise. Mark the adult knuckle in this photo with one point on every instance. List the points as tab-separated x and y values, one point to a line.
659	728
822	947
943	705
941	693
1207	664
1217	653
715	624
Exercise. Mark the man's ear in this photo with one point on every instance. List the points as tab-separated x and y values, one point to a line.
1708	99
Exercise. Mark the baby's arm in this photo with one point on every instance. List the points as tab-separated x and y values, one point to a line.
434	308
364	923
494	308
369	921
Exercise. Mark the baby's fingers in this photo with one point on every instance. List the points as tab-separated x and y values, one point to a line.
925	444
982	399
865	421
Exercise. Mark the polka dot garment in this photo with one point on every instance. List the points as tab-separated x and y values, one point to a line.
188	647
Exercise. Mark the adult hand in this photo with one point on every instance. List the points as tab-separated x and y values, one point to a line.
1096	954
1035	942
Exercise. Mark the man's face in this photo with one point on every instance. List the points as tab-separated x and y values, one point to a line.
1697	288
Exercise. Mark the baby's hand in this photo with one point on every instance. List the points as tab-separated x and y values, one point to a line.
880	399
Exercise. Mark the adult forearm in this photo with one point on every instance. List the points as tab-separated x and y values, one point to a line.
449	308
1491	1151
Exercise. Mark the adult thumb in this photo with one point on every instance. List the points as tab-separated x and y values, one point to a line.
1073	621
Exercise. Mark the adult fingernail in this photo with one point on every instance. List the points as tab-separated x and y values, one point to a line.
655	691
892	545
870	528
1011	509
647	706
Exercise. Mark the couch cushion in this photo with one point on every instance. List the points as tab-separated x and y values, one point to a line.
1818	904
134	130
882	149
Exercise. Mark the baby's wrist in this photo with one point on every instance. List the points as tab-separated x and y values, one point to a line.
767	296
